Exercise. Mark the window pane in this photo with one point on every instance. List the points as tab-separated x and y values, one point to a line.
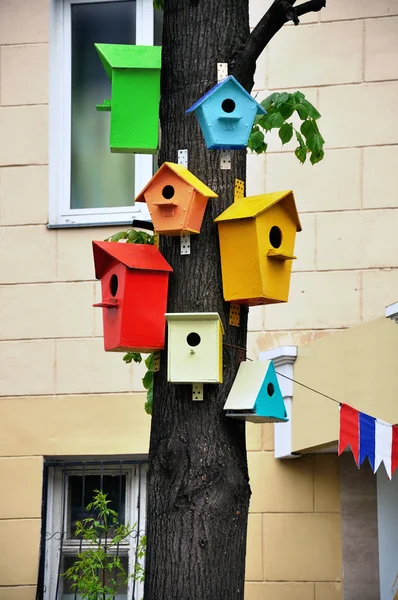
113	485
69	594
157	27
98	178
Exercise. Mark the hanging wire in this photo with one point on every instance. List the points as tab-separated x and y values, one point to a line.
308	387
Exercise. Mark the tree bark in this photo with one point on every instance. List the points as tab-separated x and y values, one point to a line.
198	488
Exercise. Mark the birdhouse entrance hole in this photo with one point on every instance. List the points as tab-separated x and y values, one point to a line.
114	284
275	236
193	339
270	389
228	105
168	192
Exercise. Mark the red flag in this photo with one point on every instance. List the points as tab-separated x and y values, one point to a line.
394	450
349	430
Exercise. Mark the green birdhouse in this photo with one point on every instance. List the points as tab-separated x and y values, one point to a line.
134	72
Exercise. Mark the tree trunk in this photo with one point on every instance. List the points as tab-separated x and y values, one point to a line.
198	489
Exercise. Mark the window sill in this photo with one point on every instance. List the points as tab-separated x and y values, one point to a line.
90	225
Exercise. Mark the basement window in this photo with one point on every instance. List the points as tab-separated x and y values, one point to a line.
70	488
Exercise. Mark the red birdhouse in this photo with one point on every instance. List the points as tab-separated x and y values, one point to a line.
176	200
134	280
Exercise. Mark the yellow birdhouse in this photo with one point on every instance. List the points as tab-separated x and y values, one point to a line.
194	348
257	236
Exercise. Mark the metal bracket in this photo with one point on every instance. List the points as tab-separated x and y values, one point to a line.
197	391
225	159
185	244
222	71
156	362
234	315
183	158
239	189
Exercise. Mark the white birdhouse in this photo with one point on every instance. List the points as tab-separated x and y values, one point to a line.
194	348
255	394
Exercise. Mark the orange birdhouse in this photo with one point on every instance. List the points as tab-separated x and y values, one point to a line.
176	200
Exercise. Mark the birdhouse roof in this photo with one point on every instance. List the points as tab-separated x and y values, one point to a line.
252	206
247	384
220	85
126	56
205	316
145	257
184	174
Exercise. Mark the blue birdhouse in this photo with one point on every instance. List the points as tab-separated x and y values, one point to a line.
226	115
255	394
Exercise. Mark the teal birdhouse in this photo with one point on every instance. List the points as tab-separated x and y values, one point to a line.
255	394
226	115
134	72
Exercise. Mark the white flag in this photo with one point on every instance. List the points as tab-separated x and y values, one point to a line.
383	445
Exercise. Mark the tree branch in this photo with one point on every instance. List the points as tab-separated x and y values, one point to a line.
279	13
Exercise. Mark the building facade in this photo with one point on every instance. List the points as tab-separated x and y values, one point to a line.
64	399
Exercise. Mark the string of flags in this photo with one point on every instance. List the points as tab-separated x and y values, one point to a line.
368	437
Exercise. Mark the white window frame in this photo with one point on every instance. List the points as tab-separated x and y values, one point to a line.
60	72
135	490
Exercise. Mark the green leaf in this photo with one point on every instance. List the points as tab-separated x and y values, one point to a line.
301	111
121	235
149	401
300	139
316	157
286	109
286	133
274	121
299	97
261	149
132	236
149	362
147	380
267	102
132	356
311	110
256	140
301	154
307	128
283	97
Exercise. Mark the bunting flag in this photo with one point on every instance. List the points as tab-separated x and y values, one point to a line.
369	438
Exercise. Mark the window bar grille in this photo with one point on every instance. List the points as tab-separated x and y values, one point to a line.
137	538
65	467
83	507
64	480
105	540
118	512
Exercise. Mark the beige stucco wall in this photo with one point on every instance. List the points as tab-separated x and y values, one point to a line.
52	364
356	366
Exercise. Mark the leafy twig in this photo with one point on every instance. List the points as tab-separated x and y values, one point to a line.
280	107
87	574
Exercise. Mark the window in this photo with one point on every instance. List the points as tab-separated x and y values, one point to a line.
70	487
88	184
